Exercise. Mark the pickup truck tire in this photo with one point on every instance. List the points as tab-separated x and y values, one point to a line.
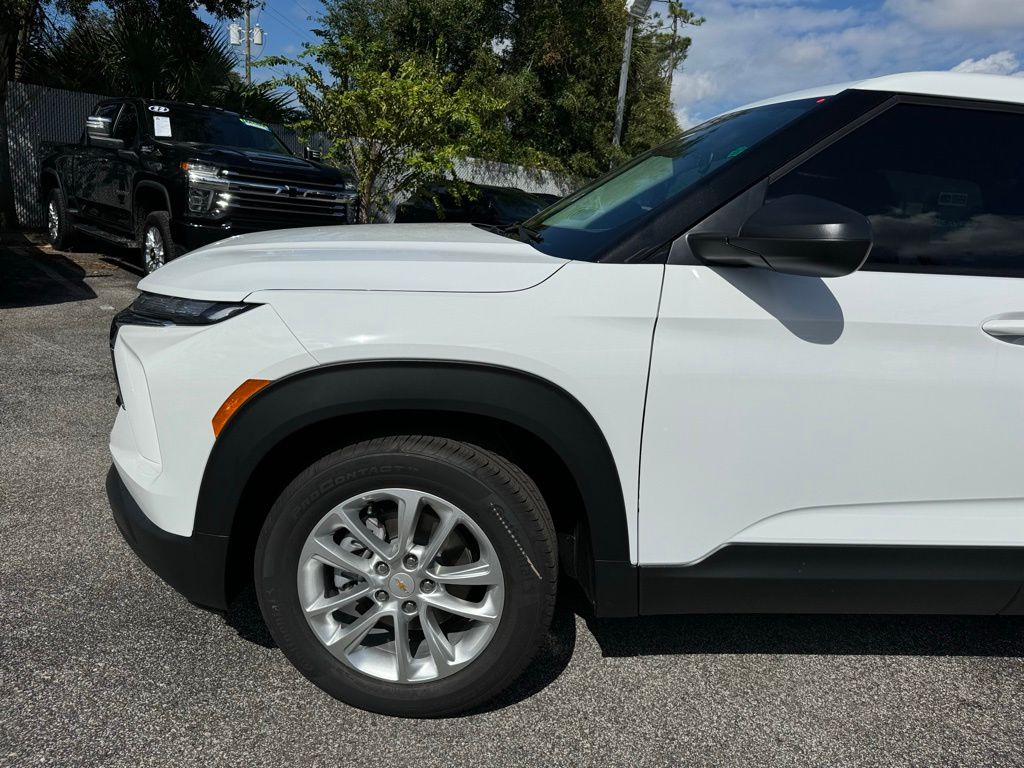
155	242
436	620
60	232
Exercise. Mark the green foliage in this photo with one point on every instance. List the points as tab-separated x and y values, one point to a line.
172	55
553	63
395	124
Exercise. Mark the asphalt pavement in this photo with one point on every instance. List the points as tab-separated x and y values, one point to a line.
101	664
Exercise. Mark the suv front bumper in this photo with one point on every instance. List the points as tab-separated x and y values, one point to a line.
194	565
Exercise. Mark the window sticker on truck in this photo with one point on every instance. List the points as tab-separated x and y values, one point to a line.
161	126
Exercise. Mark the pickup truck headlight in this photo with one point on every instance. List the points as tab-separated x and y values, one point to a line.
207	188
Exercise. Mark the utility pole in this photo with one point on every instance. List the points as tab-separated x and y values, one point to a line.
636	9
248	49
253	36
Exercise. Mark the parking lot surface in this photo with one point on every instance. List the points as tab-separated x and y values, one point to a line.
101	664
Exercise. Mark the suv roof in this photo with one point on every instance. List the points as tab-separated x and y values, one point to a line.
957	85
166	103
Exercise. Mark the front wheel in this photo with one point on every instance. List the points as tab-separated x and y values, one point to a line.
59	230
157	246
411	576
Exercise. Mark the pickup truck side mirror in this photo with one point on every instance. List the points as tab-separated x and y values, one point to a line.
312	154
98	130
796	234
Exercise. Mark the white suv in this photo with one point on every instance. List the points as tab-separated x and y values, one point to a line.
401	432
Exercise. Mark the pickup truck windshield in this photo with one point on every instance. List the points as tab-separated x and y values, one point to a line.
200	126
619	202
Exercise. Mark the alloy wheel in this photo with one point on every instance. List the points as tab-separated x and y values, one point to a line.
153	249
52	221
401	585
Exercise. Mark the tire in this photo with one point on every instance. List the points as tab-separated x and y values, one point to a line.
156	245
494	498
59	229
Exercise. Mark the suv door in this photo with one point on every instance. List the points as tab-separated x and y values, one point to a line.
879	408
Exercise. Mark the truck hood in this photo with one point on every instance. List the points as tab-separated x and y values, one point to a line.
369	257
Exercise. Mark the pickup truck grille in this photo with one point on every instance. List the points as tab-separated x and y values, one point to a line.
264	198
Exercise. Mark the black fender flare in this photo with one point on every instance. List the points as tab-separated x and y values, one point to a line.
49	171
526	401
150	184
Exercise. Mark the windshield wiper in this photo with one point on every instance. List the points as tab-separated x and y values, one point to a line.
522	233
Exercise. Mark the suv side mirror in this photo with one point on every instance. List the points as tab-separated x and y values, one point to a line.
98	130
796	234
312	154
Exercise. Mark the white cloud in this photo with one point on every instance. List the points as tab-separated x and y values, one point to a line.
748	50
1000	63
960	14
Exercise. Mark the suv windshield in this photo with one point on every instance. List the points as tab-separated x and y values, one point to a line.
619	202
225	129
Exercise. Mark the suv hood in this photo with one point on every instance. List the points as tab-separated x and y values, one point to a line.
368	257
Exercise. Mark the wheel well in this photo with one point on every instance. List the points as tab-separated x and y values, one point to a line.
47	182
148	199
295	453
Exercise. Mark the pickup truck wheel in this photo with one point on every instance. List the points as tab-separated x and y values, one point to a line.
409	575
155	239
59	231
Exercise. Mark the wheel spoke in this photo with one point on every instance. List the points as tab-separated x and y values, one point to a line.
441	650
449	519
329	553
408	512
458	607
479	573
348	637
356	527
403	652
323	605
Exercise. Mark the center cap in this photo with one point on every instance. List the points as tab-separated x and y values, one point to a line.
401	585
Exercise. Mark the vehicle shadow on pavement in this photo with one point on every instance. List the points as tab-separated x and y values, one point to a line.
32	276
855	635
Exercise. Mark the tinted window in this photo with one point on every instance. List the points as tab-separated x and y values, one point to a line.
942	187
202	126
127	127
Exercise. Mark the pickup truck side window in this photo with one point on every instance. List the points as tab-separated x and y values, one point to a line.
127	127
943	188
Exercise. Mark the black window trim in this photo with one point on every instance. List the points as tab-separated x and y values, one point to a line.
680	252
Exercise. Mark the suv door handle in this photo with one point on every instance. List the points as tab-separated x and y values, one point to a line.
1009	329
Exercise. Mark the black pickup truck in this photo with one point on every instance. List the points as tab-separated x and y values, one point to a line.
166	177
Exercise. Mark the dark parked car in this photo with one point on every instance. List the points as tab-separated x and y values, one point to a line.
167	177
480	204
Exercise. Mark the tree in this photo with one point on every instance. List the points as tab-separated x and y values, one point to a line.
133	56
396	125
554	63
674	45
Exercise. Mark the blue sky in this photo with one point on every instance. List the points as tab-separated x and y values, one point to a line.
752	49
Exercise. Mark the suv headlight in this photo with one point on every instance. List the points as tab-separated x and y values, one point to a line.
154	309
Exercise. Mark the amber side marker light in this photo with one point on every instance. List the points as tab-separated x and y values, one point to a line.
245	390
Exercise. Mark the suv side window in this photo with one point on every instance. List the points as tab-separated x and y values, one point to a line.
943	188
127	127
